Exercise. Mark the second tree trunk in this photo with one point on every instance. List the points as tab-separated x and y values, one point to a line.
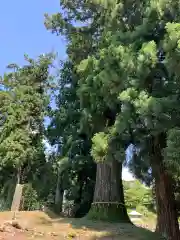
167	220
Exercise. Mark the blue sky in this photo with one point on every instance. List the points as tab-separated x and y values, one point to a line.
23	31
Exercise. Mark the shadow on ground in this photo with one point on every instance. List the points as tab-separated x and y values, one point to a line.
109	231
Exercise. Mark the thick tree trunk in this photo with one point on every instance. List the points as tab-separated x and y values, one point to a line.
108	203
58	195
167	219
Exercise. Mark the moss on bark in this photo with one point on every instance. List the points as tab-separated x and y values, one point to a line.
111	212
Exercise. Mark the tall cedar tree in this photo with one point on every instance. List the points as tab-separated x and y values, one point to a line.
83	42
24	100
76	170
137	65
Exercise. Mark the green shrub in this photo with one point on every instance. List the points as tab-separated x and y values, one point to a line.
29	201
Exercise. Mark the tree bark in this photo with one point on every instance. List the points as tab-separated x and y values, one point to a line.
59	195
77	201
108	203
167	219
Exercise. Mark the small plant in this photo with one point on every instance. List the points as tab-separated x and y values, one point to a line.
71	235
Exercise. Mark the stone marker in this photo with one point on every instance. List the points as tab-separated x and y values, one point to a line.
17	198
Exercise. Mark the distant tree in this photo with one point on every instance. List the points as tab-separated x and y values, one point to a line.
76	170
137	194
24	100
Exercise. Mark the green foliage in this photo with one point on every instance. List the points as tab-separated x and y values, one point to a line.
24	101
72	127
171	152
99	147
119	85
6	195
73	161
136	194
128	83
22	112
30	201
